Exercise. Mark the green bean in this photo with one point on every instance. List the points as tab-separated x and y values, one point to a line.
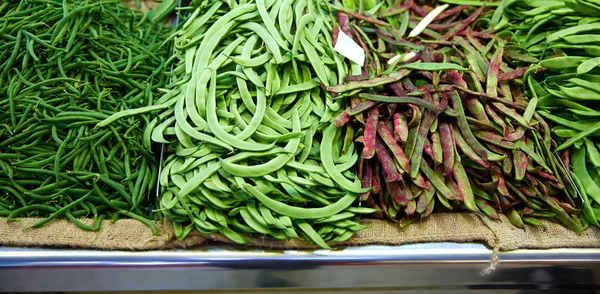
303	213
312	234
216	128
270	166
62	210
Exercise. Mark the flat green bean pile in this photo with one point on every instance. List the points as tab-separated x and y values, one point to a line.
563	35
250	144
70	144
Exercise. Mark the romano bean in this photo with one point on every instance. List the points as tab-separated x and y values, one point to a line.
261	120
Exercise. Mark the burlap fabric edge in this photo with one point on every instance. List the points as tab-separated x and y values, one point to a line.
129	234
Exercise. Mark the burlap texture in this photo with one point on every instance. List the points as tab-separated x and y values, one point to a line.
445	227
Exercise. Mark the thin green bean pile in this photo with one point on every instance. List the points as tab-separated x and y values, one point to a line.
64	68
251	149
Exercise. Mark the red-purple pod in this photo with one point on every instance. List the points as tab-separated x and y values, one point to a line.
390	172
564	156
507	165
514	218
456	79
397	89
464	187
457	193
521	161
448	147
342	119
494	71
415	191
428	149
495	117
513	74
396	150
466	149
376	179
406	221
441	101
496	199
546	128
547	176
510	112
411	207
364	75
530	180
367	182
415	114
529	192
429	210
474	40
409	85
384	202
398	193
344	22
421	182
480	35
426	94
389	124
370	83
443	26
526	211
370	133
361	42
498	176
516	135
437	149
360	139
361	107
335	31
442	88
373	66
359	116
424	199
418	10
488	186
361	166
463	24
451	12
494	139
477	109
416	156
391	109
487	208
371	203
556	185
398	9
567	207
400	127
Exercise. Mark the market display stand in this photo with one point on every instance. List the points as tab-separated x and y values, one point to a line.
420	268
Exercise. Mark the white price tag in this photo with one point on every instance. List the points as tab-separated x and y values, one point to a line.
347	47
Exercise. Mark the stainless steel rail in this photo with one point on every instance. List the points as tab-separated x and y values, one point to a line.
409	267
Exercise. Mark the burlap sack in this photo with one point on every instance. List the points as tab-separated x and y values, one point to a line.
446	227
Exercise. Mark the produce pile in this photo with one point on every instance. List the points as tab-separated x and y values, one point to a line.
64	68
563	36
264	128
247	130
443	120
